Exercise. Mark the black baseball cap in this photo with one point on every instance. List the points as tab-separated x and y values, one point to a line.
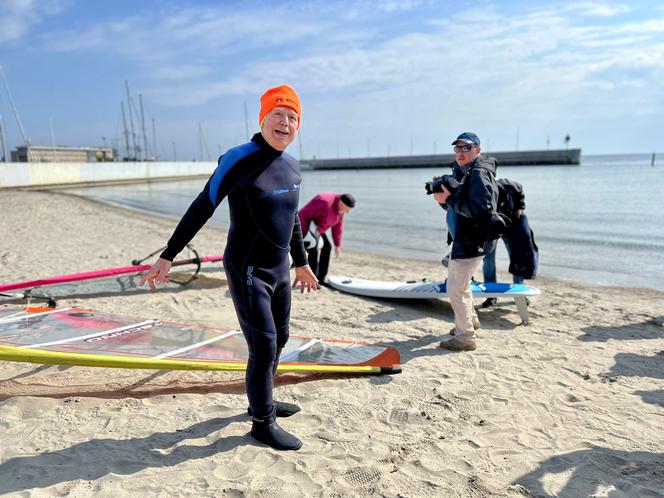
467	137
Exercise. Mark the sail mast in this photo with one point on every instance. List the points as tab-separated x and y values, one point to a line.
3	141
126	132
52	139
145	137
131	122
18	118
154	140
202	144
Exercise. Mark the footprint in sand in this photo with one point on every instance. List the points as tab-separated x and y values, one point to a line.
398	416
361	476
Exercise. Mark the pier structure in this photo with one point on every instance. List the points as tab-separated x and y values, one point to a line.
517	158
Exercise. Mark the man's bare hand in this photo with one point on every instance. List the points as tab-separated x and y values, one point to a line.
441	197
306	278
158	274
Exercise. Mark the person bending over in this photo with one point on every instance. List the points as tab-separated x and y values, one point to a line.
326	211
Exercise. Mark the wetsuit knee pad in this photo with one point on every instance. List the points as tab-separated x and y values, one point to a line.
282	337
262	345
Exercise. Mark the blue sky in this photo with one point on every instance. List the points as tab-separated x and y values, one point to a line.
375	77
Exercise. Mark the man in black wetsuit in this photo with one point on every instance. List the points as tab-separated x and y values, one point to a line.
262	184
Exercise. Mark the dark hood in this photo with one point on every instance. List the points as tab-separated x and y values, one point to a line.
485	162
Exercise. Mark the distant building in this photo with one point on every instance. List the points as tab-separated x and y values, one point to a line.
47	154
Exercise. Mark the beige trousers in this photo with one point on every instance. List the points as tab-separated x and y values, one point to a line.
459	274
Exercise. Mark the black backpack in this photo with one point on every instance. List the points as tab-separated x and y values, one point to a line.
524	253
510	200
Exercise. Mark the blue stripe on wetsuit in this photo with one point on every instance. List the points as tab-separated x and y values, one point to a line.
226	162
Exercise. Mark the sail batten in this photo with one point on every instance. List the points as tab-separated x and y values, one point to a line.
75	336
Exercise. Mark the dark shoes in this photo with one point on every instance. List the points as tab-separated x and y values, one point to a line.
492	301
267	431
281	409
459	343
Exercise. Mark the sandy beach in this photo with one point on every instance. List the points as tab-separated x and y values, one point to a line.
570	405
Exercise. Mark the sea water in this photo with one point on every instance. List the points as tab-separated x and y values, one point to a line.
601	222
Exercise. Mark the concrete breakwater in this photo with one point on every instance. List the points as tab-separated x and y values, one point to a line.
36	175
534	157
14	175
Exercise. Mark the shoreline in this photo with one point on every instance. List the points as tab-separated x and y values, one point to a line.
569	405
440	275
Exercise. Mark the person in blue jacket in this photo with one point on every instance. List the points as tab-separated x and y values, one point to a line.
473	201
262	184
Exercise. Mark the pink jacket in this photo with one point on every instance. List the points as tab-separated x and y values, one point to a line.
323	210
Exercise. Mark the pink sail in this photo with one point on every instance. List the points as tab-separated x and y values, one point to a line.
107	272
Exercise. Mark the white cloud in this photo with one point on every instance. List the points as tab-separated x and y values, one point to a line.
389	6
508	65
192	42
543	68
201	34
398	5
596	9
17	17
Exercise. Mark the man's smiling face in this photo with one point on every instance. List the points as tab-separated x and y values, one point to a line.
280	127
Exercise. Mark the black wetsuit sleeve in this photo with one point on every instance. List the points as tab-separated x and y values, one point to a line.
297	250
232	168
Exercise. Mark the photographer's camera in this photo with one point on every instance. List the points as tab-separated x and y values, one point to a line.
436	185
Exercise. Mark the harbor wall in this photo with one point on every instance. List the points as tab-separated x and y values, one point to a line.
54	174
517	158
13	175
